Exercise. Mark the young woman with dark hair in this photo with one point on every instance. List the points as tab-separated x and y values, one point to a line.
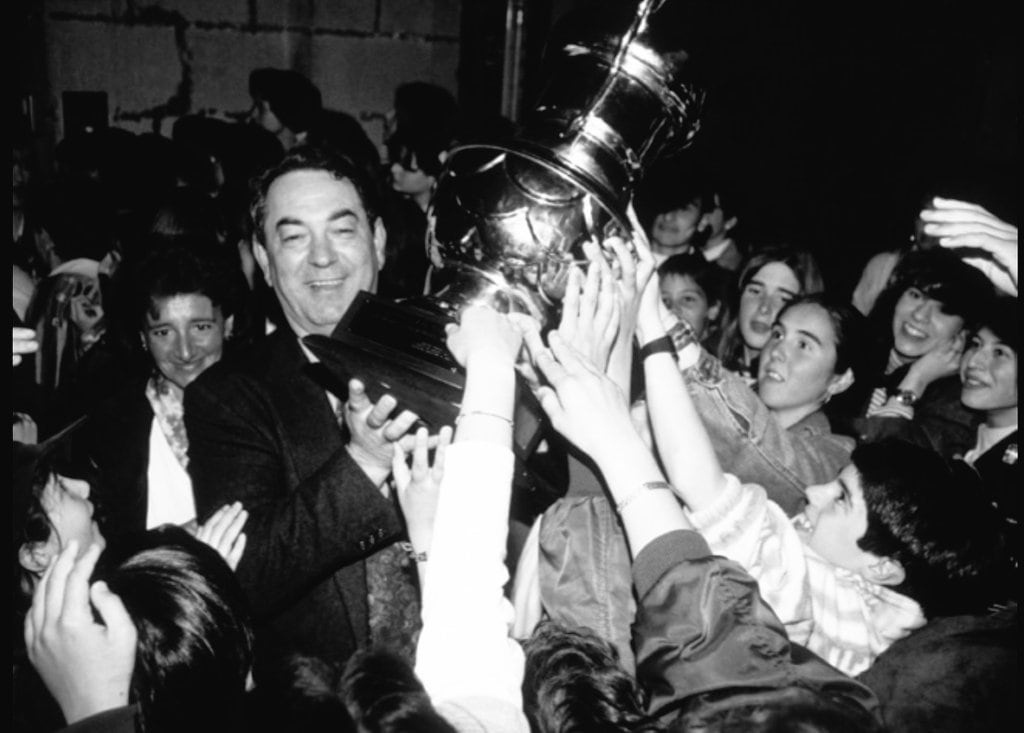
182	304
918	328
769	279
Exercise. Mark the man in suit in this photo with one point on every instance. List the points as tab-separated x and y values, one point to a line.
265	432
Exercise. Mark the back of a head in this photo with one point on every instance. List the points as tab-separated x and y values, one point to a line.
930	516
426	108
573	682
383	695
293	98
194	639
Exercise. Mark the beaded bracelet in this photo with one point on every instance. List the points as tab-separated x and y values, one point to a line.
483	413
640	491
411	552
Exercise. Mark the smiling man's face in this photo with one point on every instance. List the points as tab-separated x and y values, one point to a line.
321	249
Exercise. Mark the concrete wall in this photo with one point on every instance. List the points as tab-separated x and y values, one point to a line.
158	59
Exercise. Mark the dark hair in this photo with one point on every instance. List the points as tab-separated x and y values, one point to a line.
711	278
848	325
1001	315
294	99
309	157
404	145
573	681
182	266
930	516
799	261
195	644
939	274
383	695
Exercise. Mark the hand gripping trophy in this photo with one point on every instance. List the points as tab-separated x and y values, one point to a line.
509	219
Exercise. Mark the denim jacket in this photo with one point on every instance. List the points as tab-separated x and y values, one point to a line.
750	443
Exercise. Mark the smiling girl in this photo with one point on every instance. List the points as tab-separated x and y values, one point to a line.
911	389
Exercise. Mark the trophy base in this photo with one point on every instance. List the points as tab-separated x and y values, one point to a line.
400	349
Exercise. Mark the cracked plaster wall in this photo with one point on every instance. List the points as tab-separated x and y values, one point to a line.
158	59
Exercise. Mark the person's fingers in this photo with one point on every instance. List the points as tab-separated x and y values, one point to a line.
234	555
212	532
378	416
112	612
938	203
553	372
76	595
420	461
444	440
36	616
357	400
56	584
551	405
571	301
205	531
627	265
954	228
589	294
534	344
400	425
400	469
729	224
234	527
568	357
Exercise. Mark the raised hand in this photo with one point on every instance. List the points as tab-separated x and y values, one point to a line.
418	485
373	431
942	361
590	309
583	404
967	226
484	333
223	532
86	666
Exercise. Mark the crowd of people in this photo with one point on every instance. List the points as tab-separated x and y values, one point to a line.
781	506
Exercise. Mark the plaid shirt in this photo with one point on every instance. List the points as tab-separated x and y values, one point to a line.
836	613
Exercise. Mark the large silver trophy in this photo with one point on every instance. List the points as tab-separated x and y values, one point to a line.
509	219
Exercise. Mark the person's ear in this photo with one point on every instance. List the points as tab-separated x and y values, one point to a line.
713	312
380	238
37	556
885	571
839	383
229	327
262	259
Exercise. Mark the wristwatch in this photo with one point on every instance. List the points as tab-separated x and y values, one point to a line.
905	397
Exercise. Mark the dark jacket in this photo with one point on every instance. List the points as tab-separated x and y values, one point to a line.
960	673
116	439
941	422
263	433
706	641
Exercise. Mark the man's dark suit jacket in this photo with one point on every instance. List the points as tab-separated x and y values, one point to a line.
262	431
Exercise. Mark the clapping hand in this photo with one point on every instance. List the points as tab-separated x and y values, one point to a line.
223	532
86	665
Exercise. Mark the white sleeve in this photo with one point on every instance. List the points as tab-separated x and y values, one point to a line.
464	650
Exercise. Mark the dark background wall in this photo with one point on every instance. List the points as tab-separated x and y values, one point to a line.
828	123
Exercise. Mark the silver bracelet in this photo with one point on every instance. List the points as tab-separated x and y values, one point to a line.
483	413
640	491
411	552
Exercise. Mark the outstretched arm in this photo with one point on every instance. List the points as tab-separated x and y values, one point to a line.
679	434
590	410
